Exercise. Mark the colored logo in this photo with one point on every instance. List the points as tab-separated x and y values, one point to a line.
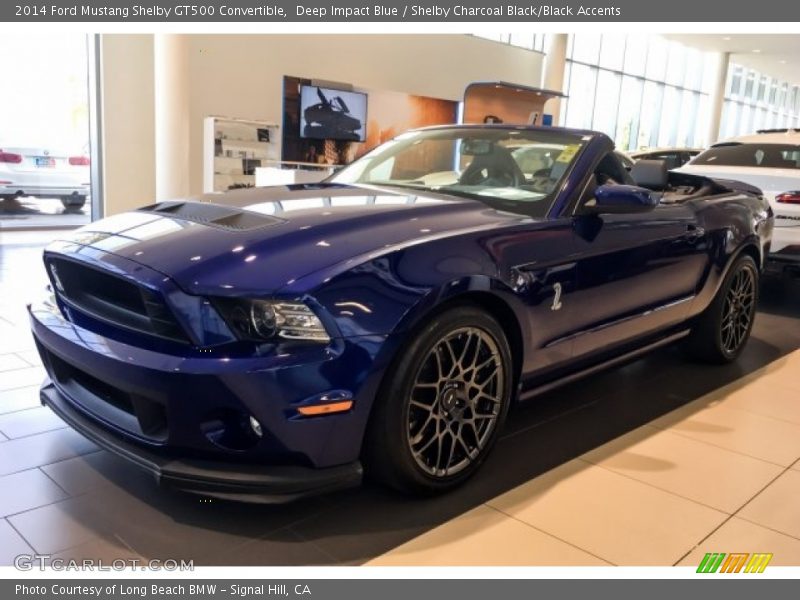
719	562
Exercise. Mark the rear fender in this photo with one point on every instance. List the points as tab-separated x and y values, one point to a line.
719	270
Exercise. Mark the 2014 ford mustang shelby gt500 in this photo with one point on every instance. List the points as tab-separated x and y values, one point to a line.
268	343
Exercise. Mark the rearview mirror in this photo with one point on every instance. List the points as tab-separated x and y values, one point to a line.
621	199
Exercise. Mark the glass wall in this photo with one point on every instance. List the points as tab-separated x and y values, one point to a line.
756	101
44	131
645	91
642	90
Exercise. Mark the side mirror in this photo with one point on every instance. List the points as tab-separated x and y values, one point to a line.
621	199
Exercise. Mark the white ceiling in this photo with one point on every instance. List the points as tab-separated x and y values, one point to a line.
777	55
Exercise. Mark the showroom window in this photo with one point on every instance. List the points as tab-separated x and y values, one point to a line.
637	89
756	101
44	131
646	91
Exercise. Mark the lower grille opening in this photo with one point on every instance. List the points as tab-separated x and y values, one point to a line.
148	416
65	372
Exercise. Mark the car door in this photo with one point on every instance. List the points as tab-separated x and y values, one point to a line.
636	273
541	269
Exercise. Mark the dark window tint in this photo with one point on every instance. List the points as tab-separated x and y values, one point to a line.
772	156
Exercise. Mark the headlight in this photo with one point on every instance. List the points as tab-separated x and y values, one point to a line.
266	320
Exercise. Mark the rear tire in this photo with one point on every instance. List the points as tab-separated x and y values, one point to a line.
73	202
721	332
441	405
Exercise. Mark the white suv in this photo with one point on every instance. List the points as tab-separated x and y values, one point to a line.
769	160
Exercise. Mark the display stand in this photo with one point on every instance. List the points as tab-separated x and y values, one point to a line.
233	149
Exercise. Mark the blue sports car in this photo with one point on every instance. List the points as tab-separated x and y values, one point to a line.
278	342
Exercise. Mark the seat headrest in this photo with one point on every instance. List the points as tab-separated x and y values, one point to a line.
650	174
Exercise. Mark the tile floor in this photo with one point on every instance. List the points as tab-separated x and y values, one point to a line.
652	463
716	474
41	212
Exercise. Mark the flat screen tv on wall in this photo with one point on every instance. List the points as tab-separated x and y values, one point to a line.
328	114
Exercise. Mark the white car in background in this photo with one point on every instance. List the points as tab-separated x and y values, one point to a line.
768	160
44	173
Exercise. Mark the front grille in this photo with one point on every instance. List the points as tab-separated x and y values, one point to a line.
113	299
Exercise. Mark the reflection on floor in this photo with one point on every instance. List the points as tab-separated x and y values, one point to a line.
633	466
40	212
719	474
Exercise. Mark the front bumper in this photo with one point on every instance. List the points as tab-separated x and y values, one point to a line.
153	408
273	484
785	256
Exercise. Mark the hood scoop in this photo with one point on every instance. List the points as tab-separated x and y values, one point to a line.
213	215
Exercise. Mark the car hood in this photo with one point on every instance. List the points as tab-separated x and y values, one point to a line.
261	240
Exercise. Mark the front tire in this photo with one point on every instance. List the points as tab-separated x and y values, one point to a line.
722	331
442	405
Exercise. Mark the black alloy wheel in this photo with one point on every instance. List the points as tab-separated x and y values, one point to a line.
721	332
455	402
738	311
442	404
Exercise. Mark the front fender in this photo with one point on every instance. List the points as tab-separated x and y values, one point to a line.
474	288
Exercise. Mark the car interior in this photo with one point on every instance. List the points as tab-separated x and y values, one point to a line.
494	168
494	165
672	187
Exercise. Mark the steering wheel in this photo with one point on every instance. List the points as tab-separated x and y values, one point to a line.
497	168
541	181
494	177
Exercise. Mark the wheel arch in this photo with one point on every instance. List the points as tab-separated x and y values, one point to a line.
490	295
749	247
501	311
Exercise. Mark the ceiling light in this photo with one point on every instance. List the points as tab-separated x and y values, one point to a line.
727	38
757	51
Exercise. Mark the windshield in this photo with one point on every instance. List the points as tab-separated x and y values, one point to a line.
769	156
514	169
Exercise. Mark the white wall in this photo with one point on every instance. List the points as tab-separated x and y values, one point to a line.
128	121
242	76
